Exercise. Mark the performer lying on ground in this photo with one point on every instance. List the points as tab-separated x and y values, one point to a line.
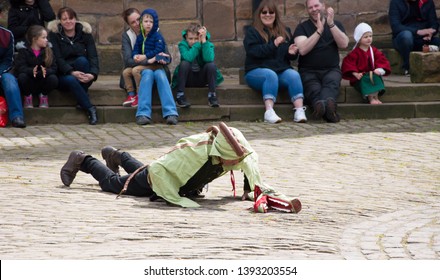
192	163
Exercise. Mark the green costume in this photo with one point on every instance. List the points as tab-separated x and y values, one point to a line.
173	170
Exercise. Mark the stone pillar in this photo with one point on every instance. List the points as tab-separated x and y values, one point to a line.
425	67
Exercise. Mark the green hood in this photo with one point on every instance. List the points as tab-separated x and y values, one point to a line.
174	169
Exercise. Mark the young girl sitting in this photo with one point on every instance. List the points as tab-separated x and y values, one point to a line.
365	65
35	67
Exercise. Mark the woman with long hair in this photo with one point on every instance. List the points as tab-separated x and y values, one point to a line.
76	56
269	50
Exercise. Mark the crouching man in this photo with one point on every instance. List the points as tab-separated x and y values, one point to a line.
192	163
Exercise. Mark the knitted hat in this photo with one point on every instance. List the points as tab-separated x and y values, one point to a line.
360	30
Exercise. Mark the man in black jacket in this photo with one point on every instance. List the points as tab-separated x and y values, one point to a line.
24	13
414	24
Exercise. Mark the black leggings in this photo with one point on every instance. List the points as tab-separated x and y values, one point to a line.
114	183
30	85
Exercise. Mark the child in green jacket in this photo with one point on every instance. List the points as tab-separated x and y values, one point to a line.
196	68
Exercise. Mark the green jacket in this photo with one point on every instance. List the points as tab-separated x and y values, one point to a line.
171	171
202	53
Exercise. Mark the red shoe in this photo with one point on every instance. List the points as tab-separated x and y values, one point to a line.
130	99
293	206
264	202
135	102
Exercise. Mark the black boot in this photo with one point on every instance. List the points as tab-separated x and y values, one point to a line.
93	117
71	167
331	115
112	158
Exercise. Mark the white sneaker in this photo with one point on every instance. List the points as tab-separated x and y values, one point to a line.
433	48
271	117
300	115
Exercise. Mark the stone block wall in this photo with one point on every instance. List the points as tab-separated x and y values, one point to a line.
225	19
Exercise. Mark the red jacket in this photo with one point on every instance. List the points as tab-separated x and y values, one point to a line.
360	61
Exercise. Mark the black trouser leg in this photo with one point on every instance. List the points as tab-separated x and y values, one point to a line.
112	182
27	84
129	163
210	73
48	84
182	76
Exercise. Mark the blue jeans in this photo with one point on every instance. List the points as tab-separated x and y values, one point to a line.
405	42
12	94
145	93
267	81
71	84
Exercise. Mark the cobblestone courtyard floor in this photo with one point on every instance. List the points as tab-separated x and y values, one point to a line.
370	189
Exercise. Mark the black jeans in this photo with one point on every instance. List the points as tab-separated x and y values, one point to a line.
187	78
320	84
114	183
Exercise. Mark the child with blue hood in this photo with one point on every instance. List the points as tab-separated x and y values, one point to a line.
149	44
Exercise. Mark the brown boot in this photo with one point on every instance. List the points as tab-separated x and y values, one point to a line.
112	158
71	167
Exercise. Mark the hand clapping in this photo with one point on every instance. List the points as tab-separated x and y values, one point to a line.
293	49
330	16
279	40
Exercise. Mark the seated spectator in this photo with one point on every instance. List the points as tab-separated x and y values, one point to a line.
8	83
414	24
25	13
36	68
269	50
76	57
131	17
319	39
196	68
149	44
365	65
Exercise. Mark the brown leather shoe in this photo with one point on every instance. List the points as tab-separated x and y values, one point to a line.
112	157
71	167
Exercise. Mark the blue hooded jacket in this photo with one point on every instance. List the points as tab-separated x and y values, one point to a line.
152	43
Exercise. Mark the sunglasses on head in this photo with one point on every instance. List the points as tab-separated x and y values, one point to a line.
267	12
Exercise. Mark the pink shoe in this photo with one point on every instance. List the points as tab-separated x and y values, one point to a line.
44	101
28	103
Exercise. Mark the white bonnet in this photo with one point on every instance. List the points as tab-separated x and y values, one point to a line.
360	30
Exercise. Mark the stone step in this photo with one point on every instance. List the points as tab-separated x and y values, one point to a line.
239	102
119	114
106	92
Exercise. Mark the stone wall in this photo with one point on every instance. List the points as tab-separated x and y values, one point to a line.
224	19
